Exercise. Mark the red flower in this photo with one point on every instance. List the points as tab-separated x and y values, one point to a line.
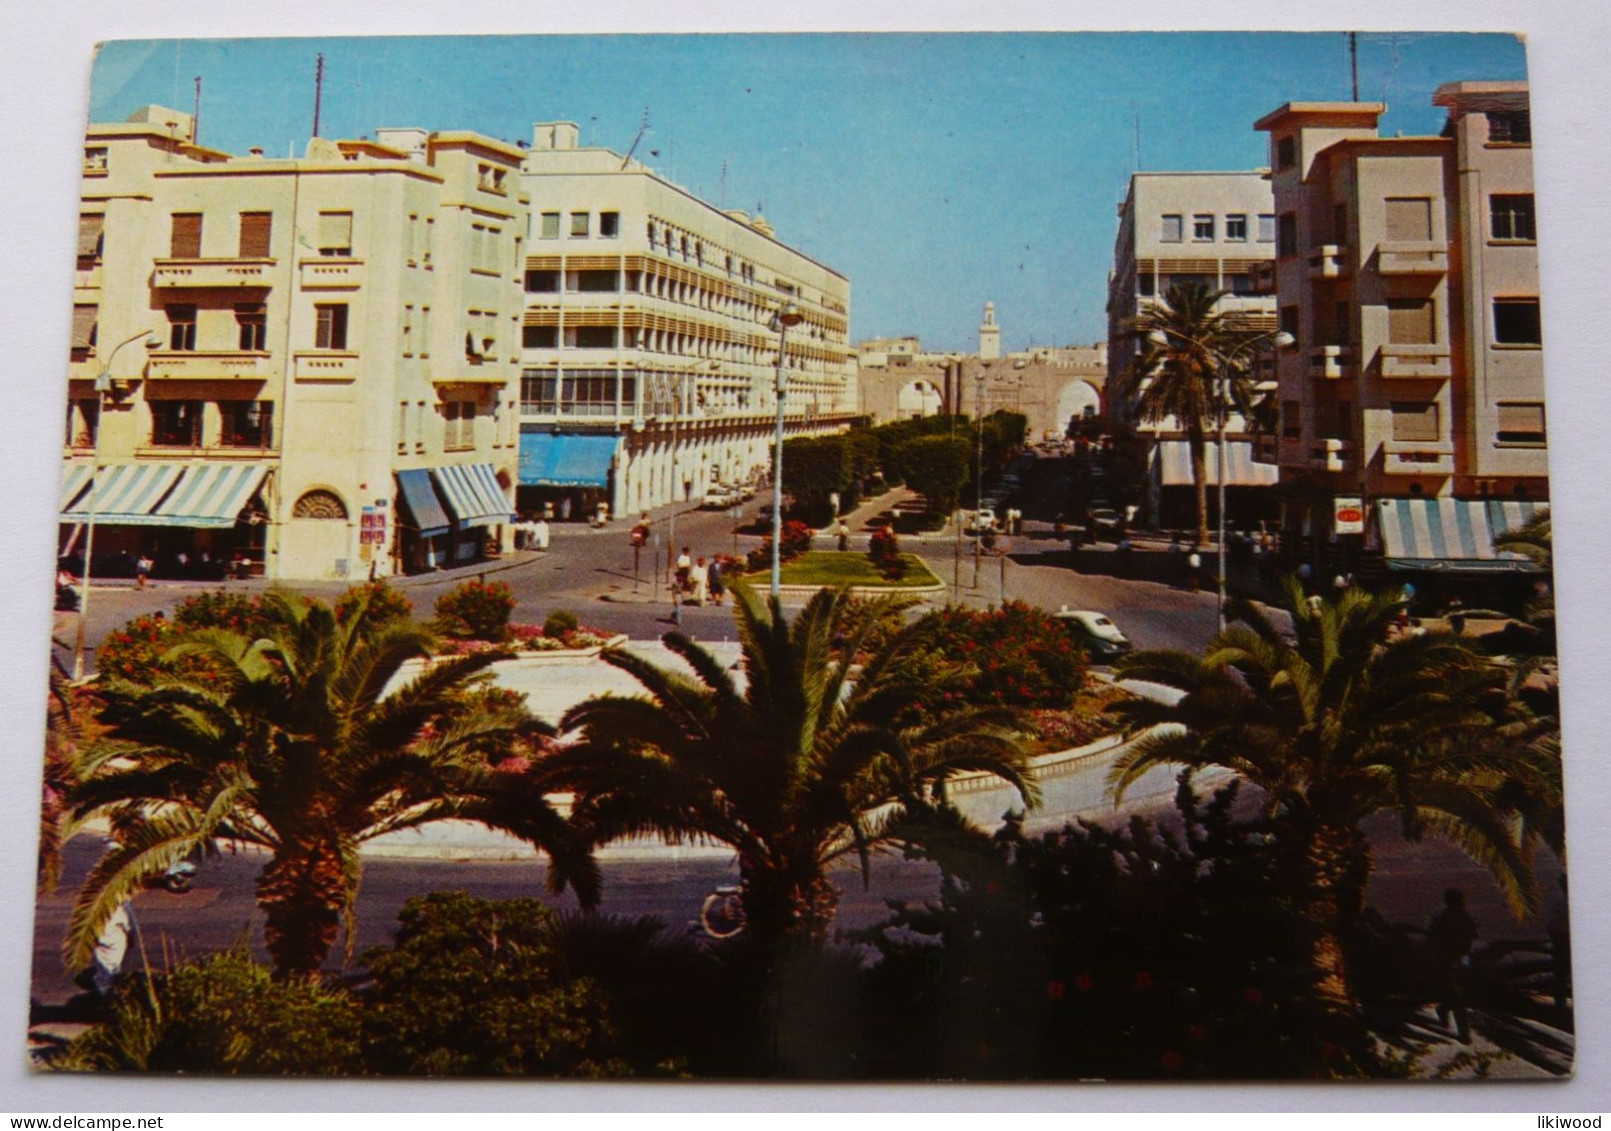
1083	982
1143	981
1252	995
1054	990
1196	1032
1172	1060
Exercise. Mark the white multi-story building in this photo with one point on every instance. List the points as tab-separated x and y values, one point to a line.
649	352
1215	229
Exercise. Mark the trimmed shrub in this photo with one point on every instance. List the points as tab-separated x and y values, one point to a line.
560	623
132	651
796	541
382	602
475	610
219	608
885	552
1023	655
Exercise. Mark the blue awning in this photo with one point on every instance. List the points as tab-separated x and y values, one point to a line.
1443	535
565	460
419	499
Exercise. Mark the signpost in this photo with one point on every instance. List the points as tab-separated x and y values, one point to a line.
1348	513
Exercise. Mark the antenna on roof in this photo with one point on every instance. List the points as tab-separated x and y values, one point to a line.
318	91
195	117
643	128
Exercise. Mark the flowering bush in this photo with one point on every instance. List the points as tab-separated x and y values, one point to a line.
219	608
385	603
885	553
1023	656
796	541
132	651
477	610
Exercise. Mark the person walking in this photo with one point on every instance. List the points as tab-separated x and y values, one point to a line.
1194	570
142	568
1448	939
718	587
699	581
1456	613
685	563
844	535
539	534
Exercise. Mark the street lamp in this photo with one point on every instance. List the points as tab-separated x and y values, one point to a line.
788	315
1281	340
103	386
978	468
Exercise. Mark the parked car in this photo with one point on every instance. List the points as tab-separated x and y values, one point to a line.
1096	632
720	498
983	519
1107	520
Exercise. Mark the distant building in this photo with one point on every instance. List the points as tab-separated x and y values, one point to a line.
331	386
1407	270
1216	229
648	355
989	335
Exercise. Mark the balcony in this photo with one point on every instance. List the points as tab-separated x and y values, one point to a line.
87	276
1418	457
325	365
208	365
1328	261
1330	455
1261	277
228	274
329	273
1331	363
1412	257
1402	360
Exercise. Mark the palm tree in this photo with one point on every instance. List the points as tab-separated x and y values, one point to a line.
291	743
1333	727
800	766
1179	378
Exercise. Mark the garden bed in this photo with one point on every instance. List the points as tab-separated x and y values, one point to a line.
832	569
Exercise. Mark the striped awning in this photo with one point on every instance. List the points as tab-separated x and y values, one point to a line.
1507	517
1174	465
472	493
126	494
75	481
211	495
1444	535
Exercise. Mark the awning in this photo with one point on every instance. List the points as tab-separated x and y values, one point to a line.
472	493
75	479
211	495
1508	517
1174	464
1443	535
565	460
126	494
419	499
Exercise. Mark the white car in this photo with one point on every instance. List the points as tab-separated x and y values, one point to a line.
720	498
983	519
1096	631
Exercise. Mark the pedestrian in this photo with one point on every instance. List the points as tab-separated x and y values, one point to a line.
1448	940
718	587
539	534
685	563
844	535
1456	613
1305	571
111	946
699	580
1194	570
1339	583
184	564
142	568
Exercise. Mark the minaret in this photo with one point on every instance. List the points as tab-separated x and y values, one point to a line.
989	335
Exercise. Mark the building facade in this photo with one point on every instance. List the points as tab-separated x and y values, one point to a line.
299	368
1213	229
649	352
1407	270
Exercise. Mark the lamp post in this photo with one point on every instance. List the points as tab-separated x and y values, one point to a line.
676	489
788	315
978	468
1281	340
103	386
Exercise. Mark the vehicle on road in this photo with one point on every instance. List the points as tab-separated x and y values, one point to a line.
720	498
1095	631
983	519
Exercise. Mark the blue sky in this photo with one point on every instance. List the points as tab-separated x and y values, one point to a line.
935	170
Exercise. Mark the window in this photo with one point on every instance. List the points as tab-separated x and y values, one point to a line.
1510	217
539	337
1291	420
597	282
320	504
413	239
1337	332
1521	423
484	248
1239	283
459	433
1170	232
1286	152
1206	281
538	392
609	224
1236	227
176	424
1416	421
425	331
184	240
548	226
256	230
331	330
408	329
430	233
1510	127
91	236
588	392
1334	420
83	421
85	316
542	282
1516	322
251	319
1145	284
182	326
1266	227
1289	320
1202	226
402	426
1411	321
335	234
590	337
1286	242
246	424
1339	223
95	160
1409	219
579	221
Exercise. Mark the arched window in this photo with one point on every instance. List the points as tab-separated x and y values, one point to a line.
320	504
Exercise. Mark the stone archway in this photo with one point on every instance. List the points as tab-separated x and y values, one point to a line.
1078	399
917	398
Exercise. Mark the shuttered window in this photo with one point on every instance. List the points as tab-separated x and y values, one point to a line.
256	230
1409	219
91	227
335	233
84	318
186	239
330	327
1416	421
1410	321
1521	423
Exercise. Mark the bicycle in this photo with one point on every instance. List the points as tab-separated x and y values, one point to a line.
722	914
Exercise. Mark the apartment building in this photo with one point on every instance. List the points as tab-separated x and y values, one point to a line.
649	352
1412	422
300	368
1213	229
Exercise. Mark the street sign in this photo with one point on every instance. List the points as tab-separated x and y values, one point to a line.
1348	514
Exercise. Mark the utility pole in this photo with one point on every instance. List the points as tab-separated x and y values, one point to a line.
318	90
